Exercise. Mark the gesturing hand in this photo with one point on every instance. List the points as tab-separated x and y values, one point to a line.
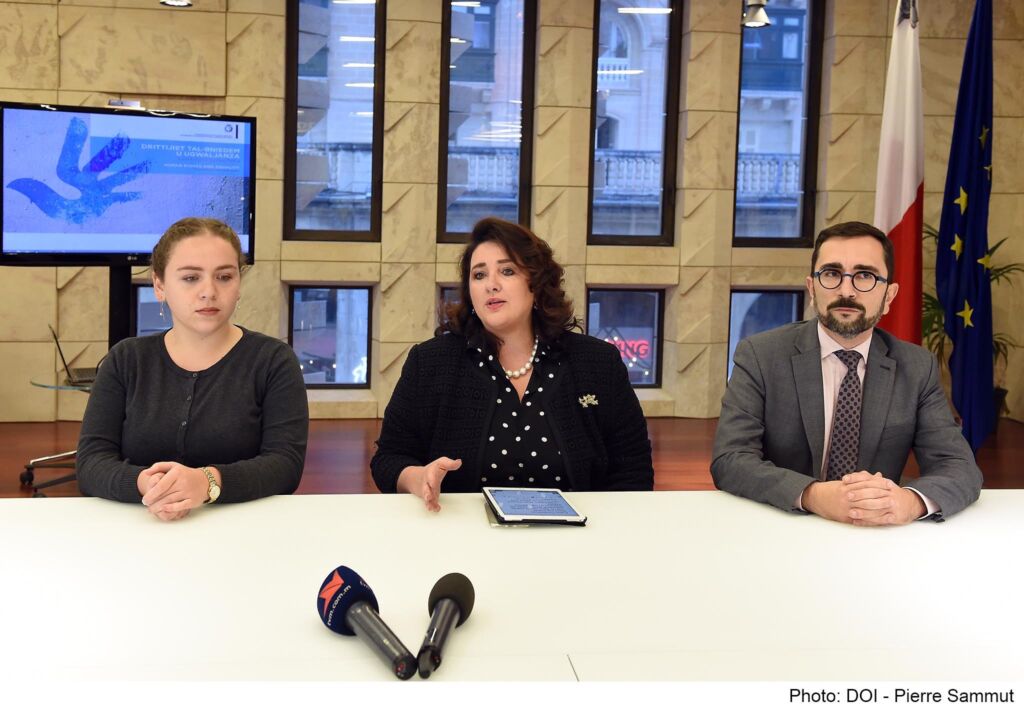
172	490
425	481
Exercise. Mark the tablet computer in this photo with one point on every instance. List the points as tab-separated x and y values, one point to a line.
532	505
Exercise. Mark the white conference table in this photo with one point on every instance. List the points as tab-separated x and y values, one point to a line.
658	586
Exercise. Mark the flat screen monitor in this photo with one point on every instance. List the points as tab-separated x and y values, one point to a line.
98	186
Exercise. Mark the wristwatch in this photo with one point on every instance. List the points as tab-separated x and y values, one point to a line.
213	492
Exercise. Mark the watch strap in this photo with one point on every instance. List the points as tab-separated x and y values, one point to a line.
211	484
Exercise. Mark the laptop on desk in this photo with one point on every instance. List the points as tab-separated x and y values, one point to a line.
76	375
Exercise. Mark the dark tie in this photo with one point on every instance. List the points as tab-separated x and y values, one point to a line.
842	451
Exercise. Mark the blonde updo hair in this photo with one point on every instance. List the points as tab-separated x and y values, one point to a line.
192	227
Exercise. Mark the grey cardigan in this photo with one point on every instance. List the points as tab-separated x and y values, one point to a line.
247	415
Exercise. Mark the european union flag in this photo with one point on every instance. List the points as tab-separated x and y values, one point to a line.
962	262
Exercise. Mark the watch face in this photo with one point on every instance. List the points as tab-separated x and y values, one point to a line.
214	493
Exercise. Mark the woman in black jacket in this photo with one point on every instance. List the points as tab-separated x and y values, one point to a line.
506	394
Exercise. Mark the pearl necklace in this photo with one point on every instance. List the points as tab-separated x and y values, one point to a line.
515	374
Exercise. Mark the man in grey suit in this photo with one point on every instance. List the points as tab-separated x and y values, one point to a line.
821	415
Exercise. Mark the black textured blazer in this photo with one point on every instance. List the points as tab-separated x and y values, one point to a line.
443	404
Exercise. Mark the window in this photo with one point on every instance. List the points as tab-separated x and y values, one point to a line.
631	321
334	120
776	161
635	112
147	318
330	333
487	86
447	295
752	312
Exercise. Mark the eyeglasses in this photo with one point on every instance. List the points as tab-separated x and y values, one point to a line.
863	281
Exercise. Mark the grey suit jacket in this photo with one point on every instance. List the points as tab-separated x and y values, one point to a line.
768	446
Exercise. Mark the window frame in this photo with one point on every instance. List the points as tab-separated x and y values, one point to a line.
660	344
443	236
815	51
369	334
670	144
291	96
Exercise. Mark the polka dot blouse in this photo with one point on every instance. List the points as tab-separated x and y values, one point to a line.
520	449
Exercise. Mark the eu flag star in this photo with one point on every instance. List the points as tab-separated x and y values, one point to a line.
958	246
988	171
986	261
962	200
983	137
966	314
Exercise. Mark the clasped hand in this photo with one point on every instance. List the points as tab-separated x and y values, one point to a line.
863	499
170	490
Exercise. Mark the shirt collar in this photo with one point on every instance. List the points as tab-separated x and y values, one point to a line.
829	345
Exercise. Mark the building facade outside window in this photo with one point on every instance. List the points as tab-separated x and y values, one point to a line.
487	111
635	121
776	159
631	320
334	120
330	333
752	312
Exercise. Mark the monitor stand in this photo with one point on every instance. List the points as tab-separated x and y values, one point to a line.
119	317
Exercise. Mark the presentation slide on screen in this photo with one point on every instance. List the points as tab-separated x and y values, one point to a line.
112	183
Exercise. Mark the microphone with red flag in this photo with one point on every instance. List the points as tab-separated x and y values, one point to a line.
347	606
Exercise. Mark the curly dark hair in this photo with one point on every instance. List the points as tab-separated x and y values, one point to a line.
553	313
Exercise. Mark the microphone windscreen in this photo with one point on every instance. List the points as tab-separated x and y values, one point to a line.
459	589
341	589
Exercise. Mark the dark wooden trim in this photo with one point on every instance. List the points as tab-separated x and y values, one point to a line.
670	153
596	47
812	124
528	95
441	229
291	119
380	22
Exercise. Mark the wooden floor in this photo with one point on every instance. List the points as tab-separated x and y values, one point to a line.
336	461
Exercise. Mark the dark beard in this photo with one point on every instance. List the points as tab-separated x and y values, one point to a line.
848	329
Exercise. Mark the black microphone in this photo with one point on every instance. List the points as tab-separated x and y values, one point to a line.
450	603
346	605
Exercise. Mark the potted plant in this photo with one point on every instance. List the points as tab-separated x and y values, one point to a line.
933	324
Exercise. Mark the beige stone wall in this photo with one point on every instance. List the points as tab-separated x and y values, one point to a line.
227	56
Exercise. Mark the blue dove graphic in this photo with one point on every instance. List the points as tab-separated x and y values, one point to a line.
97	194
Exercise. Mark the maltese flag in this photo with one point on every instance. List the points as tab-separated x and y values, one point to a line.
899	187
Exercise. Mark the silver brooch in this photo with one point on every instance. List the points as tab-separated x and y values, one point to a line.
587	400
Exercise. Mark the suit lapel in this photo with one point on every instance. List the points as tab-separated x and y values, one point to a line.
807	374
878	380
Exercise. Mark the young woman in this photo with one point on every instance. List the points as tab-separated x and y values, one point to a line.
205	412
506	394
